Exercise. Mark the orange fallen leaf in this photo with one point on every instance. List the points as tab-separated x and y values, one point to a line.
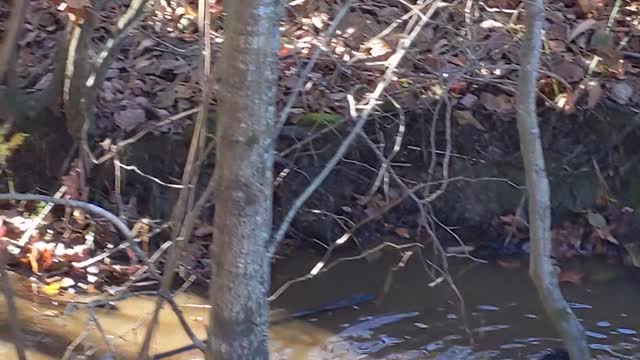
46	259
571	276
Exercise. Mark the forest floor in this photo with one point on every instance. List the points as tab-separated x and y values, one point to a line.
464	60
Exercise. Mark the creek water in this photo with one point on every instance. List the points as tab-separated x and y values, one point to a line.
411	320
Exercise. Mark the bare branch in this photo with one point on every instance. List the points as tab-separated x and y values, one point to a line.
183	223
542	271
394	61
312	61
9	47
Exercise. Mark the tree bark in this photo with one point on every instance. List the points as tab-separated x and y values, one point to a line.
244	170
542	271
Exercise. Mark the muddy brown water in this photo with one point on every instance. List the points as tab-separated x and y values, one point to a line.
412	321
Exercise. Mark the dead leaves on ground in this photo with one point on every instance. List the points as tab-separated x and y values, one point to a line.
583	233
62	255
162	68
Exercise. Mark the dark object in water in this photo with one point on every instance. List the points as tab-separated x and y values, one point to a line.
556	354
340	304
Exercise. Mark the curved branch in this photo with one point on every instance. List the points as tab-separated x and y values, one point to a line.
542	271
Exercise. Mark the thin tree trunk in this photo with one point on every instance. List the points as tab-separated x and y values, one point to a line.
244	169
542	271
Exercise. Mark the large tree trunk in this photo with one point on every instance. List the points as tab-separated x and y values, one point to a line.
542	271
242	225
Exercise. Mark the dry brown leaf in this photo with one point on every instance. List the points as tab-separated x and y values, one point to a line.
571	276
468	100
146	43
594	94
621	92
72	182
505	103
582	27
488	100
203	230
465	117
337	96
377	47
130	118
601	226
568	70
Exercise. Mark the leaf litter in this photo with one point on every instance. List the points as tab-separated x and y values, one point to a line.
159	62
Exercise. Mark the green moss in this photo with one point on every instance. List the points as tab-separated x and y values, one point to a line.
252	140
8	145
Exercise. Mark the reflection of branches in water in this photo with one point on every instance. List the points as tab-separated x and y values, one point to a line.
322	266
12	312
105	338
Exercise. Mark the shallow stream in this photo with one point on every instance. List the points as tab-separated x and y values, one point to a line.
412	321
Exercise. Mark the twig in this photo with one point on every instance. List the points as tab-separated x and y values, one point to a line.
416	8
12	310
312	61
91	208
183	222
117	186
79	339
320	266
96	323
122	228
100	257
12	32
99	69
125	23
114	149
383	174
169	274
403	46
38	220
135	169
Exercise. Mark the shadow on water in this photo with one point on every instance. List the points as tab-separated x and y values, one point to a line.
412	321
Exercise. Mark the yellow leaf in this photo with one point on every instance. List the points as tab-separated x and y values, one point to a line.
51	289
465	118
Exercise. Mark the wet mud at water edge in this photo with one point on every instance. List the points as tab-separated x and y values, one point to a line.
412	321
